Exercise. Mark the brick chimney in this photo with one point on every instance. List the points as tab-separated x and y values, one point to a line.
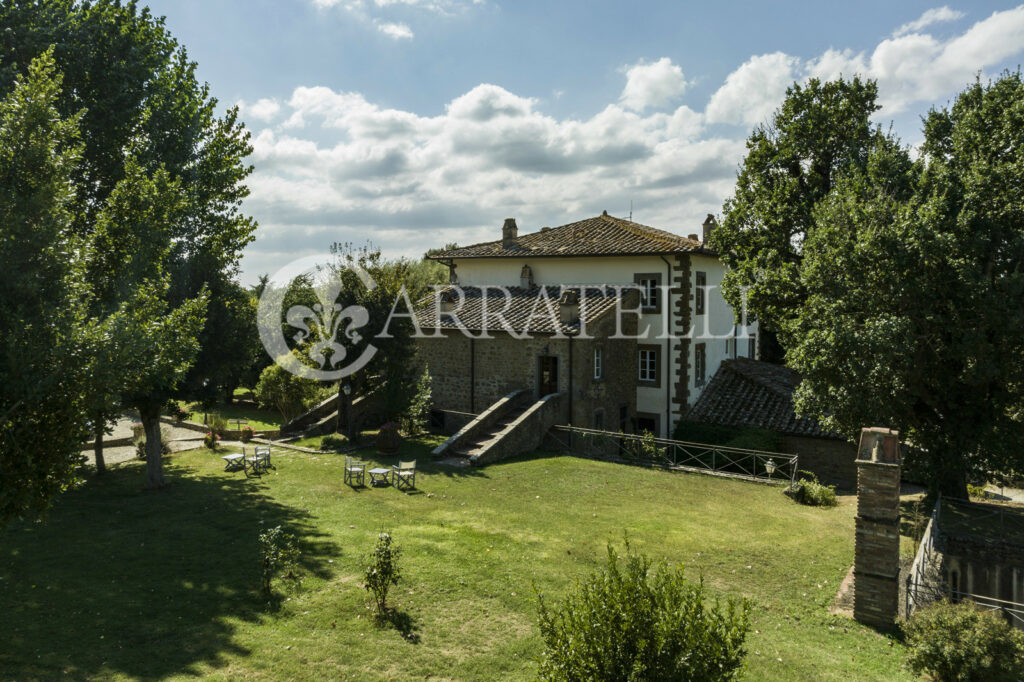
569	306
708	225
509	232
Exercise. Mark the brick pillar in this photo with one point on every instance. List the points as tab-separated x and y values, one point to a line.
877	554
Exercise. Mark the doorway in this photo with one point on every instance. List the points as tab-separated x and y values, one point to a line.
547	375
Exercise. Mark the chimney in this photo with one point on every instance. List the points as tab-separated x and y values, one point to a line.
526	277
509	232
693	236
569	306
709	225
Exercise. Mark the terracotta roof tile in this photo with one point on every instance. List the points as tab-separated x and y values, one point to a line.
751	393
603	235
527	312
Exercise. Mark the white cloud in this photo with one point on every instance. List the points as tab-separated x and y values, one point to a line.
754	90
261	110
652	85
935	15
393	30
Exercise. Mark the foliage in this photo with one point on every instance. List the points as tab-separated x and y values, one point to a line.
808	490
139	438
277	554
961	642
217	423
382	572
42	320
333	443
211	440
710	434
157	194
639	621
417	415
281	390
246	434
913	279
821	130
978	492
176	412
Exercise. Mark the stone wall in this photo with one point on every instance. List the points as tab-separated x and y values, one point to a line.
526	433
833	461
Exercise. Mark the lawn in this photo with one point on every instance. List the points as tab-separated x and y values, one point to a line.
121	583
259	418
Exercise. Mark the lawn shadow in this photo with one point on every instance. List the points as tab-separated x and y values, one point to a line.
401	621
86	592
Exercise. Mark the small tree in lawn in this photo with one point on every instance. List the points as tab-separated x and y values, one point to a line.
382	572
278	556
415	418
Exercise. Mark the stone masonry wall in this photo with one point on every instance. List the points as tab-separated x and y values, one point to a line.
833	461
877	543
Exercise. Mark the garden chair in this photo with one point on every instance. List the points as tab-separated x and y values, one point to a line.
355	471
259	462
403	475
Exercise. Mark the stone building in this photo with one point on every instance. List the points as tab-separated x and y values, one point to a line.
685	327
747	393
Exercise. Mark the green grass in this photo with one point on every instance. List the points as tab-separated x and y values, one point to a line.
259	419
121	583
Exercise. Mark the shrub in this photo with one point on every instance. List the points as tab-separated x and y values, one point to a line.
279	389
277	553
211	440
217	423
812	493
978	492
139	437
629	622
415	418
332	443
246	434
382	572
176	411
963	642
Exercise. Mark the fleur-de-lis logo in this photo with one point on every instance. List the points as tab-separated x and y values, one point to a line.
319	325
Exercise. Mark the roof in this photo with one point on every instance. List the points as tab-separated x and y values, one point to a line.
751	393
602	235
534	310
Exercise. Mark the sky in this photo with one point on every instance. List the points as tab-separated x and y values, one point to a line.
414	123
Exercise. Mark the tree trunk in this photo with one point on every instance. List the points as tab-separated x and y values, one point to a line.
154	455
229	395
97	446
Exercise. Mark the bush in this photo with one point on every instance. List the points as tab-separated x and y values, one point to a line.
416	417
978	492
963	642
382	572
629	622
333	443
278	389
812	493
217	423
277	553
710	434
139	437
211	440
176	411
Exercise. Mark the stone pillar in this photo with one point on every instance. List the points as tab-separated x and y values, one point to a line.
877	553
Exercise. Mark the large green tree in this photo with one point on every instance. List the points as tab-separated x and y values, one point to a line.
914	283
42	316
821	130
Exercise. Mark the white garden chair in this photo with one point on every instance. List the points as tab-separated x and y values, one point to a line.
403	475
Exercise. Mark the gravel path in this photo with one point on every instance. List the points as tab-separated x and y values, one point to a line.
179	439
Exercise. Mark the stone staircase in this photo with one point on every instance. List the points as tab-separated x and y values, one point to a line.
511	426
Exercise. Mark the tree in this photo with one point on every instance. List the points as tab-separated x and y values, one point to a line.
281	390
145	113
821	130
42	317
914	278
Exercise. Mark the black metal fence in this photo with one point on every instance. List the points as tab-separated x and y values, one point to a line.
753	465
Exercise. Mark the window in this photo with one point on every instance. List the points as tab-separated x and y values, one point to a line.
599	420
648	358
700	363
598	365
646	421
650	293
701	279
752	347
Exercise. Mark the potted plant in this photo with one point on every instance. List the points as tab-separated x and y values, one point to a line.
388	439
246	434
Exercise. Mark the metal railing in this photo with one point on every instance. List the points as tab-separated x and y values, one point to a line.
719	460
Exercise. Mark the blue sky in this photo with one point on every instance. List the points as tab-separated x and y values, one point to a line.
410	123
